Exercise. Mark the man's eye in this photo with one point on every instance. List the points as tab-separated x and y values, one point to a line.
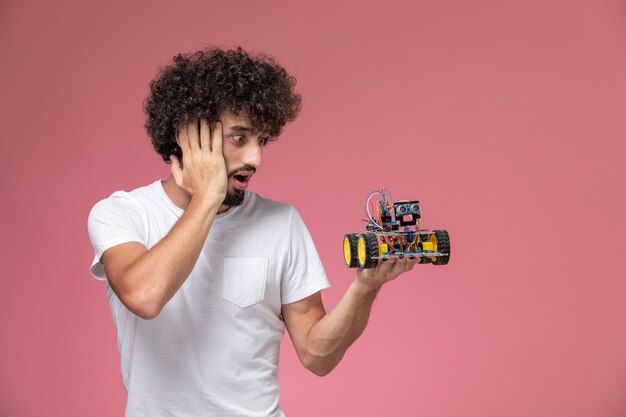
264	141
238	138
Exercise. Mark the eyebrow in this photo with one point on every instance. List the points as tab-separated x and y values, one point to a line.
238	128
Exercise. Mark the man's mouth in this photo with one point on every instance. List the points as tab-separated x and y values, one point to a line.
242	179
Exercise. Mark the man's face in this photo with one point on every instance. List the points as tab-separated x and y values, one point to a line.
243	150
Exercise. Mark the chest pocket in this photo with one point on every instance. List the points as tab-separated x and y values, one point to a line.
244	280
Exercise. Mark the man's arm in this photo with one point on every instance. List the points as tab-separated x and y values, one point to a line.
145	280
322	339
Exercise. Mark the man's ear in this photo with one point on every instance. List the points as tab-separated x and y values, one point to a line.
176	134
175	159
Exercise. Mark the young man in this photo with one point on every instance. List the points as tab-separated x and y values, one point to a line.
202	275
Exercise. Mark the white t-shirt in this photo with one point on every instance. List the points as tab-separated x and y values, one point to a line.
213	349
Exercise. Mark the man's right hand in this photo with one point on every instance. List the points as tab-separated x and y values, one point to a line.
203	169
146	279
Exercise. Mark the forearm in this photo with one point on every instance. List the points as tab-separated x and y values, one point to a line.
153	279
331	336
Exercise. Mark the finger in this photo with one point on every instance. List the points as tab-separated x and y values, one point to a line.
205	135
194	135
410	263
182	140
399	266
216	138
385	267
177	171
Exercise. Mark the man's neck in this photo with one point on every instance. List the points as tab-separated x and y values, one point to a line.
180	197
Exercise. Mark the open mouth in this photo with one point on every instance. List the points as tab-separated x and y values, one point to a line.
241	180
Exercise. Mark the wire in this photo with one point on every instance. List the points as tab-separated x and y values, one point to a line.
367	211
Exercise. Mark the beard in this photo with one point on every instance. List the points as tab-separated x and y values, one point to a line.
234	198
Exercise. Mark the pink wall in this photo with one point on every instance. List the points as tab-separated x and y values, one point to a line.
505	118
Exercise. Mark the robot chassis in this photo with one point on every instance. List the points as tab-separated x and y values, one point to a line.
394	232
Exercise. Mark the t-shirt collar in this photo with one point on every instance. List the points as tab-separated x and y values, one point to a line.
179	212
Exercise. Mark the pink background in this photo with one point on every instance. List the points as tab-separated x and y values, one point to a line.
505	118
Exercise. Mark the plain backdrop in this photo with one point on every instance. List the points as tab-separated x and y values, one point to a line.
506	119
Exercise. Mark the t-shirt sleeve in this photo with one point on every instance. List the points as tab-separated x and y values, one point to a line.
113	221
304	273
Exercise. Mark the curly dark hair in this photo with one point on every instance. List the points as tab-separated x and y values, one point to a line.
210	81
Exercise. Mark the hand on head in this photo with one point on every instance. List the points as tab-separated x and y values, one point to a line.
203	168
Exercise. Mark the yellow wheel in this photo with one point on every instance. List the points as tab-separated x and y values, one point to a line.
442	244
367	249
350	250
361	250
433	240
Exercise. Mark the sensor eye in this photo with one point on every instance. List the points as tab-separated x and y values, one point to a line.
415	209
402	210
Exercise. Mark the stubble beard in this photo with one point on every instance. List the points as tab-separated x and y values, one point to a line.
234	198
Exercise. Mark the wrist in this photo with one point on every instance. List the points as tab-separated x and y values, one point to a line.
366	289
207	201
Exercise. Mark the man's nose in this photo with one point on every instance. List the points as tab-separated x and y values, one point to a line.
253	154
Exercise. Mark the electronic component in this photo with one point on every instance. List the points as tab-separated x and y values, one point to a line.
385	239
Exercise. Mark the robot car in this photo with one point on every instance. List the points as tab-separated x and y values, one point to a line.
394	232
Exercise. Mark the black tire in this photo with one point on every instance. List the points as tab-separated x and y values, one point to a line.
352	258
424	260
371	250
443	245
